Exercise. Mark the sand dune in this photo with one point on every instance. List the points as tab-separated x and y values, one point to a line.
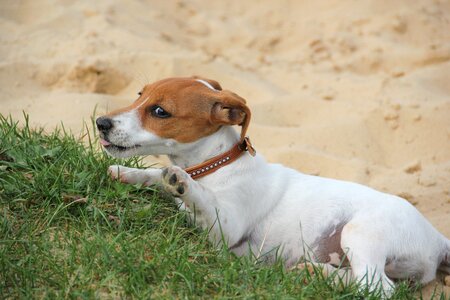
356	90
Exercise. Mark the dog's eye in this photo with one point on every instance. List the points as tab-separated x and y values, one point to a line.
159	112
140	93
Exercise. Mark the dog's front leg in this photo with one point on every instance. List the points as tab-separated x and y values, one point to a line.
202	204
135	176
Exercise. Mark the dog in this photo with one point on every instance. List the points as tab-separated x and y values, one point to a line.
261	209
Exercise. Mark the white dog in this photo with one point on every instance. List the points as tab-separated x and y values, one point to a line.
257	207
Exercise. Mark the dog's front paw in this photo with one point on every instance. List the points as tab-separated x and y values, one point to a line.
116	172
175	180
129	175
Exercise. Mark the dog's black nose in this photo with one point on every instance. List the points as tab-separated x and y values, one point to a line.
104	124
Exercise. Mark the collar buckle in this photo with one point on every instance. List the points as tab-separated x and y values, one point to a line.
246	145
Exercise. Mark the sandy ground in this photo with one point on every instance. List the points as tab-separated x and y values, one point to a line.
356	90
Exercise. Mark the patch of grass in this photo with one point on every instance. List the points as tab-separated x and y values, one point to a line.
68	231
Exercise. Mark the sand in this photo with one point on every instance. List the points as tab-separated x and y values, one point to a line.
355	90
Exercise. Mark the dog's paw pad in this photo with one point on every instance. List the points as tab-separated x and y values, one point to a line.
175	180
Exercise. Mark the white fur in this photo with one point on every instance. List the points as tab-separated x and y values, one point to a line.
206	84
128	132
268	209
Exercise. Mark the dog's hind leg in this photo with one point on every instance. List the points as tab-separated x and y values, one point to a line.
367	258
445	264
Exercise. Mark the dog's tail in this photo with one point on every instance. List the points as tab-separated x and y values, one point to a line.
445	263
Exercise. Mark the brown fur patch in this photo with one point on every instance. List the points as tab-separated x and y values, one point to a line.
190	104
328	247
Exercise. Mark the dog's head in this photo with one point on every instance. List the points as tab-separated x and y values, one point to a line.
170	112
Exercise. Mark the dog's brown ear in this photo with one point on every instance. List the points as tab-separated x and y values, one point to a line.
213	83
231	109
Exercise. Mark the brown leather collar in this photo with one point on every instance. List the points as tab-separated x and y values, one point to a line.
221	160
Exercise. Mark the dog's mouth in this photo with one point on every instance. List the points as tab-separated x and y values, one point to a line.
113	147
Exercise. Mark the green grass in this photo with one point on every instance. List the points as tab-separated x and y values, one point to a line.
68	231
